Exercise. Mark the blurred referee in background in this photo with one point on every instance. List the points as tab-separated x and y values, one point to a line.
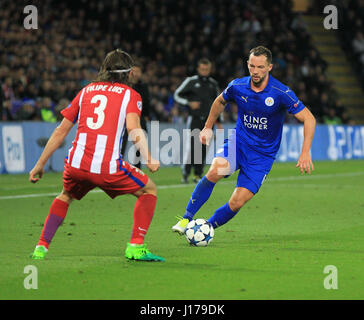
142	88
198	93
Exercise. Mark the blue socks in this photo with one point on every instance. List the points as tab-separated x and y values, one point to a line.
199	196
222	215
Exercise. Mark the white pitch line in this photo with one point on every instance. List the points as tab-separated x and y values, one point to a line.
39	186
312	185
318	176
176	186
35	195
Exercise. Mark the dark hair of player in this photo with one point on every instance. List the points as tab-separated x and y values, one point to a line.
260	50
116	67
203	61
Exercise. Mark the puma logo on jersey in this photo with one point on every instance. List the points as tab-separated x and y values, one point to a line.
245	99
136	169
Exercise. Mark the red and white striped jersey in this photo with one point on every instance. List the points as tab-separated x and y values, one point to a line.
100	109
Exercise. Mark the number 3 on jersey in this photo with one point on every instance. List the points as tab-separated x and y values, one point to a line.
99	110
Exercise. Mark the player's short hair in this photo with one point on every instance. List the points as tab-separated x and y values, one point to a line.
203	61
262	51
115	67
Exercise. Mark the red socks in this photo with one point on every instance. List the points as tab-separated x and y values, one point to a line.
56	215
143	214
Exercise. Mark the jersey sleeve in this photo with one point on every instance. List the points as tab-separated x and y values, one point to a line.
290	101
72	110
228	93
181	93
135	104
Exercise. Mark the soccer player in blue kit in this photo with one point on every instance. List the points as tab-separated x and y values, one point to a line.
262	104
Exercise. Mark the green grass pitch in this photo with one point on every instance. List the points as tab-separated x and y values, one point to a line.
276	247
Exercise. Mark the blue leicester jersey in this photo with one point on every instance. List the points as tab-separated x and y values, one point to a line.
261	114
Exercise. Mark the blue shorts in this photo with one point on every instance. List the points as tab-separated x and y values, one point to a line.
254	167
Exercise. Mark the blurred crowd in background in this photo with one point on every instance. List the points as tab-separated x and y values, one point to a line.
42	70
352	36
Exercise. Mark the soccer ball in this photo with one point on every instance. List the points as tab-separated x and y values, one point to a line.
199	232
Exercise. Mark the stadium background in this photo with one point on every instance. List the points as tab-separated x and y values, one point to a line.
278	246
42	70
45	68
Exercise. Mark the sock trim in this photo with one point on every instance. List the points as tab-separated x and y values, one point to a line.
40	245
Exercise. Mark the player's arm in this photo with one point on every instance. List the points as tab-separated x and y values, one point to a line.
309	122
136	134
54	142
217	108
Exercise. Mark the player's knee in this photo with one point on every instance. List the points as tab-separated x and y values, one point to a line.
65	197
213	176
216	172
150	188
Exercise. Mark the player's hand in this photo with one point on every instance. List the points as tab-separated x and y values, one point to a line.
153	165
205	136
194	105
36	171
305	163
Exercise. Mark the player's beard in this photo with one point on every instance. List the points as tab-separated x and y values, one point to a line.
259	82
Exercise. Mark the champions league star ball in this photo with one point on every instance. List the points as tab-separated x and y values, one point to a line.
199	232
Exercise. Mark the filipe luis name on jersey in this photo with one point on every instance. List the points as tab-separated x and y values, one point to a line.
106	87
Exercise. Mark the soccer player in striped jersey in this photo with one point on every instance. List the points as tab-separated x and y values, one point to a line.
103	110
